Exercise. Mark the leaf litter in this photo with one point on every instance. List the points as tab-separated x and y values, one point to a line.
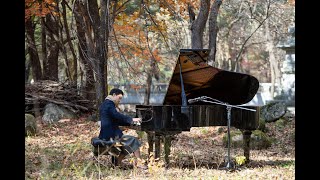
63	151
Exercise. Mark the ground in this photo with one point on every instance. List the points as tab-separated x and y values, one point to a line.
63	151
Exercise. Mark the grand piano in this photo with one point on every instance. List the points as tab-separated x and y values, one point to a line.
200	95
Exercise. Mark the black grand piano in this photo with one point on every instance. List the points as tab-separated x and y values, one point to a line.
200	95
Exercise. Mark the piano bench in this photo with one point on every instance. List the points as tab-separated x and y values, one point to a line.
104	147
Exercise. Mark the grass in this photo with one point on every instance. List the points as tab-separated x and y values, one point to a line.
63	151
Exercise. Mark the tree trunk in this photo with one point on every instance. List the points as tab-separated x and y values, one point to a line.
88	84
33	52
148	90
213	29
104	39
73	63
197	26
96	33
99	53
51	67
274	65
224	56
99	85
27	71
44	47
148	84
65	55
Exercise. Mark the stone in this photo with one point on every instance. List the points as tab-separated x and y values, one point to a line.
54	113
258	140
273	111
30	125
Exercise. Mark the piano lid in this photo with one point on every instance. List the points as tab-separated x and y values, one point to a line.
201	79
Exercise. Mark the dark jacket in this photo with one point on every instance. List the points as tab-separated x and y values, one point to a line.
110	120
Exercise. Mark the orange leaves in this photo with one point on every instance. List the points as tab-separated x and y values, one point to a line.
180	7
145	52
156	55
138	34
39	8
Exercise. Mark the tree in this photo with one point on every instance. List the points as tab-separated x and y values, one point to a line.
32	50
92	22
47	12
213	29
134	41
198	25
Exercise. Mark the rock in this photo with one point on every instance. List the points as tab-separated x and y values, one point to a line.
92	117
289	116
53	113
258	140
273	111
235	137
30	125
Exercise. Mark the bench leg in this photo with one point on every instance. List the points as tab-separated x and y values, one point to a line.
98	151
114	160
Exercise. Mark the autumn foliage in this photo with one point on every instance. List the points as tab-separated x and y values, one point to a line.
39	8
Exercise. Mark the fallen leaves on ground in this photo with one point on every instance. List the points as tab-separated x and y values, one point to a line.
63	151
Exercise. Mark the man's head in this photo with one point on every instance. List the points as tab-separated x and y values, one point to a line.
116	94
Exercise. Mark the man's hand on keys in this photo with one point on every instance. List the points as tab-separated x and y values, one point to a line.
137	121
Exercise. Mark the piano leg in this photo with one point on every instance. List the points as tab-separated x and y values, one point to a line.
150	142
154	139
167	145
157	146
246	143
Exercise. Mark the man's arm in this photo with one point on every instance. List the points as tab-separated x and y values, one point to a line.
120	117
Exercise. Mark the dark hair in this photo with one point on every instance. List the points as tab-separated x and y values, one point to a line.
116	91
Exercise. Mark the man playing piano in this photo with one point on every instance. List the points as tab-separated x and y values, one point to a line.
111	119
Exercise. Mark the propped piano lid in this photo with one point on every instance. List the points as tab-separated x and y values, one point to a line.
201	79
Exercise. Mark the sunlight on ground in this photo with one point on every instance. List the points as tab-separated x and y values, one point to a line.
63	151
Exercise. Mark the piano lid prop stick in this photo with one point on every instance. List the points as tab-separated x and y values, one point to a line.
225	104
190	101
183	93
202	98
184	108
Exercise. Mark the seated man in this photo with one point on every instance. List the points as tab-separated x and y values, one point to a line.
111	119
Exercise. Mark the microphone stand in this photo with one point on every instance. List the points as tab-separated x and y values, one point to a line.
230	164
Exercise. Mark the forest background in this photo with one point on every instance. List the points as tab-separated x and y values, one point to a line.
90	44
